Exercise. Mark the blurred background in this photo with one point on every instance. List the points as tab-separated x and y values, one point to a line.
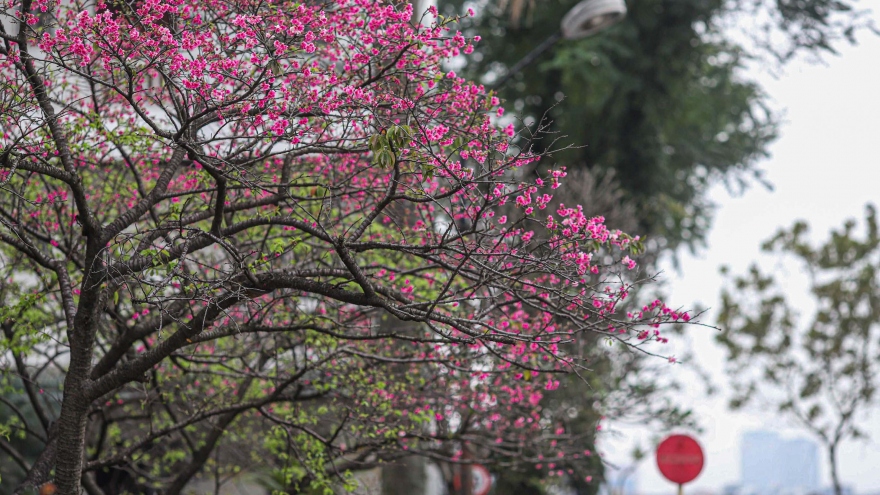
742	137
824	168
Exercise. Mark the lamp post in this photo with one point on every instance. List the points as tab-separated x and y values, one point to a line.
584	19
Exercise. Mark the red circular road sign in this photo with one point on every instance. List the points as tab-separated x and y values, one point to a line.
680	458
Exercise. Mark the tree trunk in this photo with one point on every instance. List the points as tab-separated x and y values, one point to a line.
467	475
467	482
75	403
71	433
71	438
405	476
832	461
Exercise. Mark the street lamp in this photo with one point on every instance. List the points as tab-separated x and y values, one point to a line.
584	19
591	16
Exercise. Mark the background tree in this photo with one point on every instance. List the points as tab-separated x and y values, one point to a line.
660	98
822	371
212	210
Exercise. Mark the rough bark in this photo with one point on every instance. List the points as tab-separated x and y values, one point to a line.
405	476
75	403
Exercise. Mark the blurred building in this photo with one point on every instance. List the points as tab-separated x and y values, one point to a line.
620	481
845	489
773	465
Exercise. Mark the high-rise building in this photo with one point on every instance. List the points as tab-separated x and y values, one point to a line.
772	464
802	464
620	481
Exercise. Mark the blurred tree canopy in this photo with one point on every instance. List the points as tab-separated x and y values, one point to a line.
823	374
659	98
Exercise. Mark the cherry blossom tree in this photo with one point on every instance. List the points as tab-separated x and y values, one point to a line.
251	234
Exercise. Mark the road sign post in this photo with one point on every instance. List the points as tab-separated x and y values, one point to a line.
680	460
480	480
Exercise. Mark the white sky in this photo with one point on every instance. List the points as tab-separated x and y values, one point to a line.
825	167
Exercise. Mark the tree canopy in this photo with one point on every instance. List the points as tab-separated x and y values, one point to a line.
660	98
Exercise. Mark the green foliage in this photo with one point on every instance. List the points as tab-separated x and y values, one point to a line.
386	144
659	98
27	318
815	25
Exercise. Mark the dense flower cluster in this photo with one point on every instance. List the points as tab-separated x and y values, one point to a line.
288	217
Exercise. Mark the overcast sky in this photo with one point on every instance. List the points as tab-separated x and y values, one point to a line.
825	167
